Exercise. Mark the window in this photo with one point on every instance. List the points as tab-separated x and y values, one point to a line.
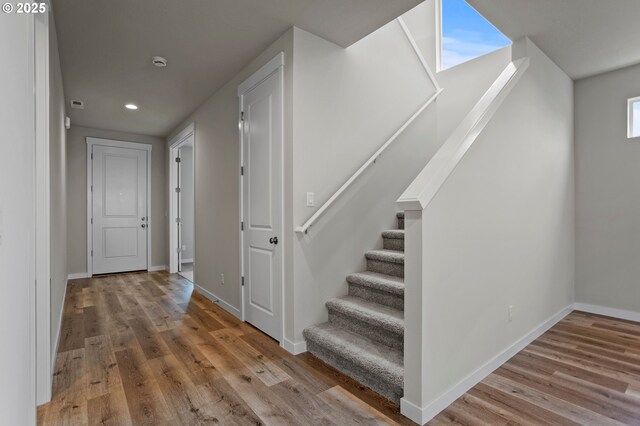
634	118
466	35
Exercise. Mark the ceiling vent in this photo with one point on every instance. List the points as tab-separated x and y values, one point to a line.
77	104
159	61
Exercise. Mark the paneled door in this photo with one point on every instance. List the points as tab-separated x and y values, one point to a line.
262	202
119	209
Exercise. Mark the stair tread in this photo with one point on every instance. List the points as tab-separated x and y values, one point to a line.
396	234
377	315
384	282
385	255
380	360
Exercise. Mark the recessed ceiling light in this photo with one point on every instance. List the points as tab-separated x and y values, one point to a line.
131	106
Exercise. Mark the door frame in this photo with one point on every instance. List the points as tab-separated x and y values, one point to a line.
275	65
91	142
175	143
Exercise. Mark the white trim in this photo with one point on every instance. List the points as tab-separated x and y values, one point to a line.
174	144
55	352
433	176
91	141
118	144
218	301
78	275
424	414
438	30
630	128
44	367
294	348
418	53
265	71
187	260
609	312
157	268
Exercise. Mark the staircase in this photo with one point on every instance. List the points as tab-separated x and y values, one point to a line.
364	336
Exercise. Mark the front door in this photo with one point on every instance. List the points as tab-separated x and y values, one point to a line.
119	209
262	204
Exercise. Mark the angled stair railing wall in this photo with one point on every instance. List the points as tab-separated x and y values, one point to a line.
372	160
416	402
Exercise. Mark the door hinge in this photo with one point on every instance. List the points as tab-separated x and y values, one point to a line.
241	115
242	226
92	221
243	281
91	188
92	155
241	170
177	220
178	250
91	253
178	190
178	159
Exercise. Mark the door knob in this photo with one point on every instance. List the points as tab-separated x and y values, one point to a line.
143	225
273	240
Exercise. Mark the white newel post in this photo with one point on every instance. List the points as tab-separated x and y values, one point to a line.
415	371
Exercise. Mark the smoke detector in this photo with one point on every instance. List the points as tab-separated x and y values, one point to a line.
159	61
76	104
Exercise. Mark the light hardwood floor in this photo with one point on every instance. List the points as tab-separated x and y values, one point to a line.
144	349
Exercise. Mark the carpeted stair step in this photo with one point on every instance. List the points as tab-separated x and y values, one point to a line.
393	239
400	218
389	262
374	365
377	322
379	288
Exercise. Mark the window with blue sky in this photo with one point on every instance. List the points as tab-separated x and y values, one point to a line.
466	34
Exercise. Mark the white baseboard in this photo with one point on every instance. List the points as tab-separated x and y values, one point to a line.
215	299
294	348
609	312
422	415
157	268
77	276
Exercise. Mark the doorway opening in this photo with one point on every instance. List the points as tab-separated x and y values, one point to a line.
182	204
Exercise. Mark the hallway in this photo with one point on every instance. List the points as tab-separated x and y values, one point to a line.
141	348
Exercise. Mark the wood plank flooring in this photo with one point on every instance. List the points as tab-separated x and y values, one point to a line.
144	349
584	371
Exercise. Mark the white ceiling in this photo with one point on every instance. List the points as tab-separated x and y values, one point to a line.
106	49
584	37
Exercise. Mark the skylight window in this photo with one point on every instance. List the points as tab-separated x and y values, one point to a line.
634	118
466	35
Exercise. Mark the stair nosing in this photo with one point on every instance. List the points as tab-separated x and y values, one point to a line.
382	282
369	312
396	370
386	255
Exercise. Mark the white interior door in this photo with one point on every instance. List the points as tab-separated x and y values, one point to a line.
262	204
119	209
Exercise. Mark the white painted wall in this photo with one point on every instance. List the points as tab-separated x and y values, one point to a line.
58	173
187	201
500	231
607	192
17	262
347	103
217	180
77	194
